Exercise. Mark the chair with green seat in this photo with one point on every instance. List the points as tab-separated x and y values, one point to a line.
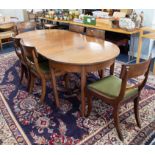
37	69
23	65
116	91
97	34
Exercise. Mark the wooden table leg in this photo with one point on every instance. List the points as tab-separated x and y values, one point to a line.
139	47
83	87
54	87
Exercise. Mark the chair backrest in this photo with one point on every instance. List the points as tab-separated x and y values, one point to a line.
17	47
31	57
95	33
132	71
135	70
76	28
26	26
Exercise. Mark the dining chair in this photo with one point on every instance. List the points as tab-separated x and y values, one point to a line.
76	28
23	65
26	26
7	31
98	34
37	69
115	91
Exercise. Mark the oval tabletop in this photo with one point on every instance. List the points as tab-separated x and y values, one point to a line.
70	47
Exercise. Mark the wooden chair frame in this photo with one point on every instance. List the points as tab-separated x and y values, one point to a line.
98	34
127	72
23	65
31	56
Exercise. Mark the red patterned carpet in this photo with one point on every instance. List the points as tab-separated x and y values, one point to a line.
24	121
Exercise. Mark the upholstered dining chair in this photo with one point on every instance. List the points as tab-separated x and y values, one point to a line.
37	69
7	31
115	91
98	34
76	28
23	65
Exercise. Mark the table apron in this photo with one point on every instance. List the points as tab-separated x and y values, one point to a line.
78	68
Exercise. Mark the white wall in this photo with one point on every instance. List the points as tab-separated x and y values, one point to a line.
13	13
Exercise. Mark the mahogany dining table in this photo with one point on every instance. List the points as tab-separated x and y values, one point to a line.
72	52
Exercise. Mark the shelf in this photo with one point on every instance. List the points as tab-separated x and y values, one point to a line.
149	35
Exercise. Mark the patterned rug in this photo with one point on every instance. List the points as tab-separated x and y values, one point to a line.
24	121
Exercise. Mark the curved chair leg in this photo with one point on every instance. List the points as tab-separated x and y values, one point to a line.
22	73
116	121
26	72
31	83
89	97
43	83
136	111
28	79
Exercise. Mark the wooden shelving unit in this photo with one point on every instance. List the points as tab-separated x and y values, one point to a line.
149	35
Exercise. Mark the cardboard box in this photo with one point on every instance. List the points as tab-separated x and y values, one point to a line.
101	21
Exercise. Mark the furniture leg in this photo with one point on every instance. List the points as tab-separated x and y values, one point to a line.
26	72
139	47
89	97
136	111
116	121
43	83
112	69
31	83
21	73
54	88
100	72
29	80
83	86
66	80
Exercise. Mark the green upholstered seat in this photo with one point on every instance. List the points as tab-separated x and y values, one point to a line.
110	86
44	66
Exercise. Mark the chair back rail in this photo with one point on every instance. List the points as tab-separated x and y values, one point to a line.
17	47
30	53
133	71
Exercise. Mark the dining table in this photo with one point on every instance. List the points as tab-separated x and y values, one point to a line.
72	52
